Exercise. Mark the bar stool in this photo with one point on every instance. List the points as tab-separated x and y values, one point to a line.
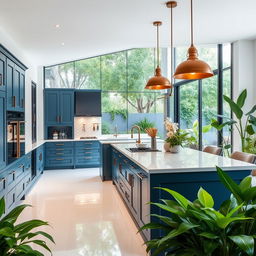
245	157
213	150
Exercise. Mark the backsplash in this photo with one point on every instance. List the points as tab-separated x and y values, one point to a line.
87	127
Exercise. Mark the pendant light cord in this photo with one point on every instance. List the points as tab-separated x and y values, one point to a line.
171	46
157	29
192	23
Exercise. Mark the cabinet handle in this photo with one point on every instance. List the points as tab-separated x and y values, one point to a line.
59	159
126	161
131	179
1	80
141	175
120	168
59	153
13	172
59	144
14	101
21	166
59	149
88	157
88	152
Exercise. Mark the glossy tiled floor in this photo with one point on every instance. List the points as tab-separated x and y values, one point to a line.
87	216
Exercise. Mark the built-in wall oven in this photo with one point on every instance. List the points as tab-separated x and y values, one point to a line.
15	135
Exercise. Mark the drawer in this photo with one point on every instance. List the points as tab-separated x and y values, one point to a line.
27	181
10	178
59	144
10	199
59	161
20	171
20	189
52	152
87	152
87	144
124	191
88	161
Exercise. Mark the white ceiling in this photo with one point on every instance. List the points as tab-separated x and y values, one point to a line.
90	27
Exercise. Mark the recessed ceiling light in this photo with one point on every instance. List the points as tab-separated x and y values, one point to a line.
57	26
62	43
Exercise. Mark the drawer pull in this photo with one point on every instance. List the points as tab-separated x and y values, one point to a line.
2	179
88	157
59	144
126	161
88	152
13	172
87	143
21	166
59	159
59	153
59	149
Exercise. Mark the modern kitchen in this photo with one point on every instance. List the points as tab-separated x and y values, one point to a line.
131	137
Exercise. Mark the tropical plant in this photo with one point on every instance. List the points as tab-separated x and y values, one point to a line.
16	239
145	124
177	139
197	229
245	124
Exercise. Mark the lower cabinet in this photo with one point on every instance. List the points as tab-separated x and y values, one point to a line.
78	154
133	185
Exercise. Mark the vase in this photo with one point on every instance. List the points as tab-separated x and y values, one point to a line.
167	146
153	143
175	149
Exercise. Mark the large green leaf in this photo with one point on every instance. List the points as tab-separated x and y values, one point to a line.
230	184
224	222
169	209
183	227
206	128
29	225
234	107
7	231
205	198
241	99
246	243
184	202
251	111
208	235
167	220
250	129
15	213
245	184
2	206
234	210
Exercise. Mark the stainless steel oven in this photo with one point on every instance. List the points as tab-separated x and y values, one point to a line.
15	135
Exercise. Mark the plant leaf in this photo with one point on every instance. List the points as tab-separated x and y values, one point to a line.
229	184
245	184
208	235
7	231
251	111
241	99
205	198
169	209
2	206
184	202
234	107
246	243
224	222
250	129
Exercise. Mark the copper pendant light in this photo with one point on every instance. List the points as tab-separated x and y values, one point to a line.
158	82
193	68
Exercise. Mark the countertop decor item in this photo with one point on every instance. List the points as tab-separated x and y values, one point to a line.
192	68
197	228
152	132
158	82
175	137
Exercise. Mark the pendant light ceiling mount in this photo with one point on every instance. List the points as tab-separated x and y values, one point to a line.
171	4
192	68
158	82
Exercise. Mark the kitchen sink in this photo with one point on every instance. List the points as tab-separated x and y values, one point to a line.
135	150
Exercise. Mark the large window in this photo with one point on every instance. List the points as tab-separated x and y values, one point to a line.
197	102
122	77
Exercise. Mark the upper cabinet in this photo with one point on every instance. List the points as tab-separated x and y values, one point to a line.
2	131
15	81
88	103
2	72
59	107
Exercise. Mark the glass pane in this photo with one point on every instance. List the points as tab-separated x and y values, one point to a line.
189	109
113	68
60	76
226	108
114	112
140	68
146	110
87	74
209	110
226	55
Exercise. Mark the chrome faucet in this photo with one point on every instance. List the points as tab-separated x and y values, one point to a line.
115	135
138	128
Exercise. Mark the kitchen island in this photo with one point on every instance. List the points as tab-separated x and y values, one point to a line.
136	175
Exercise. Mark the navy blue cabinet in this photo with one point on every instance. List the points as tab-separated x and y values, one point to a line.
2	130
39	160
15	82
51	106
2	72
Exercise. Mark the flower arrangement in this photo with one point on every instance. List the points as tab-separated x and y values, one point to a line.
175	136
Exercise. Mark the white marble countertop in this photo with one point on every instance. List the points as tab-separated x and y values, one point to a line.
187	160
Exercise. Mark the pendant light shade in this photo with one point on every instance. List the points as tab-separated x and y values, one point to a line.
193	68
158	82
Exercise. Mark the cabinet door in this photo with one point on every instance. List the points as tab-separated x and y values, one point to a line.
2	131
66	107
11	101
22	90
51	107
2	72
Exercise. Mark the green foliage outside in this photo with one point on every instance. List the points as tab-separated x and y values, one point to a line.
16	239
144	124
121	112
105	128
198	229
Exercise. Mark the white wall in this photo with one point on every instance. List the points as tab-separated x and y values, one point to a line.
32	74
244	75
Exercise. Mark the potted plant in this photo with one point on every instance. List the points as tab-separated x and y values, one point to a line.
16	239
198	229
245	122
175	137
